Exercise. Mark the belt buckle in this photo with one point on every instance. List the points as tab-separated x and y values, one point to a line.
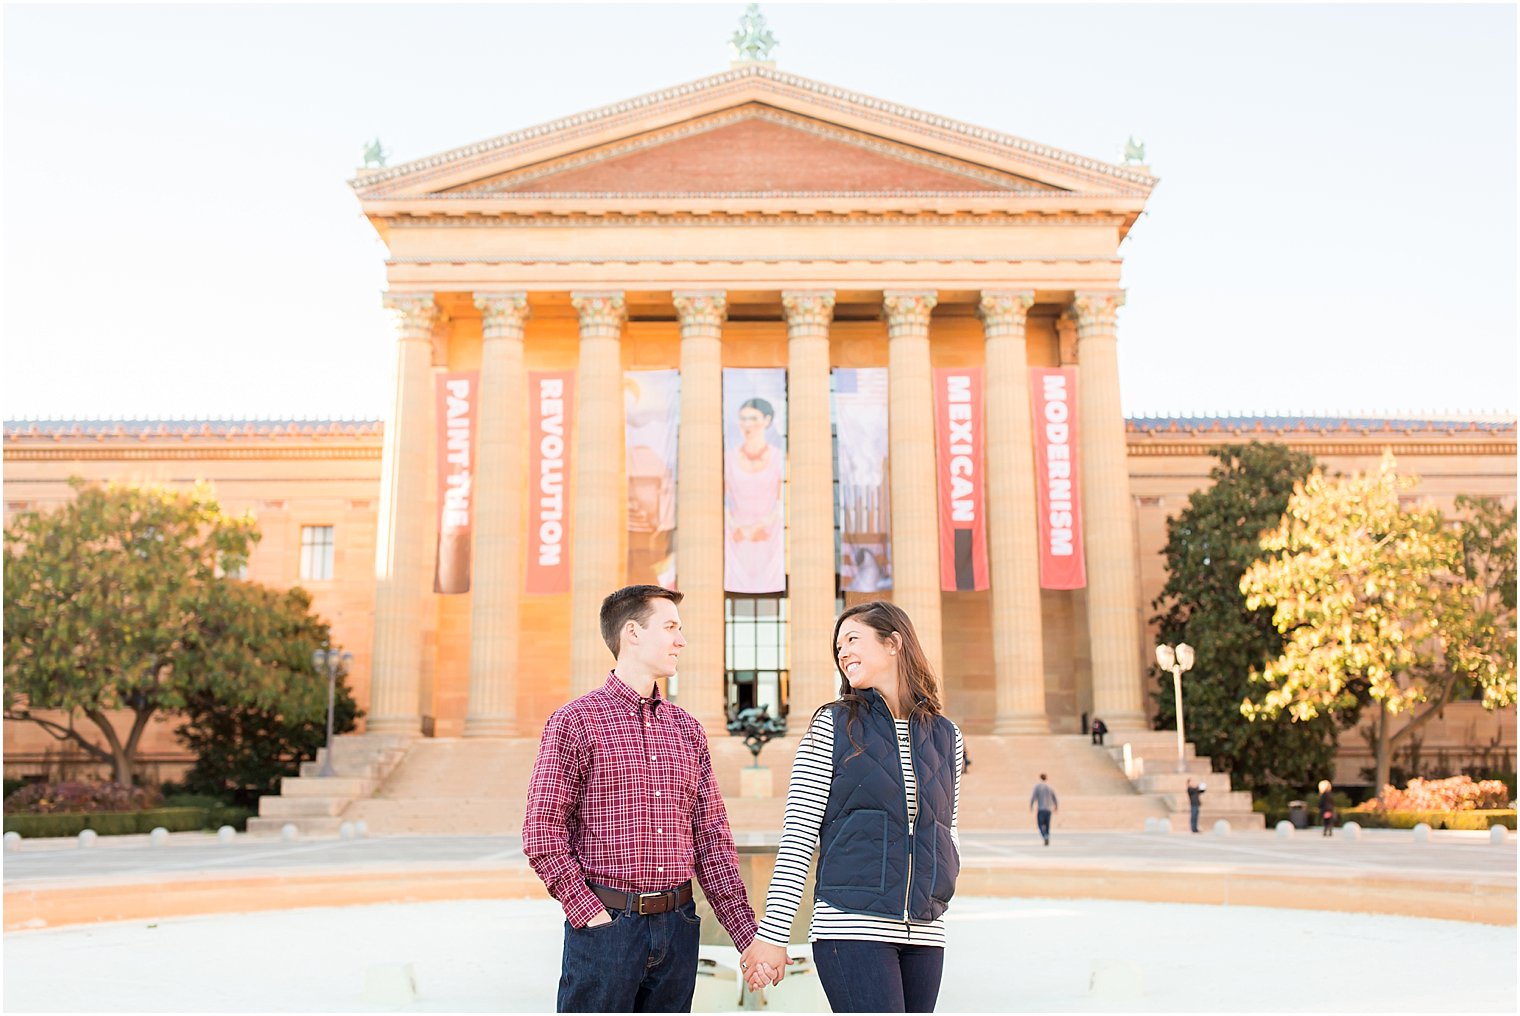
649	896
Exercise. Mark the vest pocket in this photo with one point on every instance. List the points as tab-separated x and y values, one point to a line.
947	864
857	856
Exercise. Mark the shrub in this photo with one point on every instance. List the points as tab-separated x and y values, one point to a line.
77	797
1458	793
107	823
1482	819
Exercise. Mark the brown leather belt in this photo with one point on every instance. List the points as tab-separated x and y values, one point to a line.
644	904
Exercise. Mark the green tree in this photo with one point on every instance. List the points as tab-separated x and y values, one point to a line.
118	600
1210	543
1376	604
242	749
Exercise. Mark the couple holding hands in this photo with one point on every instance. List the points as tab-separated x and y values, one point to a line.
623	810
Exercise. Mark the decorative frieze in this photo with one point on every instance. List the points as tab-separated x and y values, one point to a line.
529	219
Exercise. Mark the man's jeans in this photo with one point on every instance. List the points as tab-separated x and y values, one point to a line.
861	976
1043	818
634	964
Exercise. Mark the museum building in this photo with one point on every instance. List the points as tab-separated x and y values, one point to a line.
777	344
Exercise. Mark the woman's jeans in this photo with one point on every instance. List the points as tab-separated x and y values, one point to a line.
634	964
860	976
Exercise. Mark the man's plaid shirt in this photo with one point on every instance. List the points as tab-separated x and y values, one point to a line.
623	795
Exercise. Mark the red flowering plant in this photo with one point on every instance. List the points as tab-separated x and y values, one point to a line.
1457	793
76	796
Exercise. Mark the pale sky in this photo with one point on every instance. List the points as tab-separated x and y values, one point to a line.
1334	231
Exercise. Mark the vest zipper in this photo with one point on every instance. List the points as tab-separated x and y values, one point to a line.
913	764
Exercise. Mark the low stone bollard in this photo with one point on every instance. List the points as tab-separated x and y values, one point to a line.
1352	830
1497	835
12	841
1221	828
226	834
1150	825
158	837
346	831
1163	827
87	837
389	985
289	832
1421	833
361	828
1284	830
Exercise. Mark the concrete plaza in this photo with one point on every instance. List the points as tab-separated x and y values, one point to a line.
260	924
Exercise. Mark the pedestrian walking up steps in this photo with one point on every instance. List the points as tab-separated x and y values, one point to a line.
477	786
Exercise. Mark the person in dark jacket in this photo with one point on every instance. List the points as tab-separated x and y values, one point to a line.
876	787
1195	792
1326	807
1099	728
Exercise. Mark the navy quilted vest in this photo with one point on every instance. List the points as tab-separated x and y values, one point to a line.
865	844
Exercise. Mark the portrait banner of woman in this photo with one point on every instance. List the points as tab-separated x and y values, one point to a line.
754	474
859	404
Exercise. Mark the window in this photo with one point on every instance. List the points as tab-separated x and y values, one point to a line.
317	553
757	672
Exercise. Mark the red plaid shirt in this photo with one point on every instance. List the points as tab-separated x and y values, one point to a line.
623	795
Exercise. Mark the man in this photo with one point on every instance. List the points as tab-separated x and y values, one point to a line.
1099	728
1043	800
622	810
1195	793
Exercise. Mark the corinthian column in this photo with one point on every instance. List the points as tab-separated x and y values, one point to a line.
811	532
915	506
497	564
1012	538
1112	588
402	580
601	493
699	505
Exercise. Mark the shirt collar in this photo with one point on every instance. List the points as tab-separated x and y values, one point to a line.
618	689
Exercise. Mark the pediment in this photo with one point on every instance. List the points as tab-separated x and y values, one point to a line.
751	130
754	149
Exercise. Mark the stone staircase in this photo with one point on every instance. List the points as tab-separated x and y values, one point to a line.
316	805
478	786
1154	772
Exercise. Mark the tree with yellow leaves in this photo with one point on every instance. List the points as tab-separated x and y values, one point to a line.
1378	602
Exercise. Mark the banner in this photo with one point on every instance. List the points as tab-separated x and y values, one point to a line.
550	402
864	508
456	489
960	439
1058	505
651	417
754	470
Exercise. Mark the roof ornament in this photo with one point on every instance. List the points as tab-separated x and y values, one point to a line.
753	42
373	155
1134	152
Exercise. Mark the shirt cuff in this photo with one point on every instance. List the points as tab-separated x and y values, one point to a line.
581	906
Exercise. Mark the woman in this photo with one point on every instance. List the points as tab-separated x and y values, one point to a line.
754	559
876	786
1326	807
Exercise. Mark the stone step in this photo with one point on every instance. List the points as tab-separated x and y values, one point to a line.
294	807
306	825
349	770
329	786
1239	820
1231	802
1176	783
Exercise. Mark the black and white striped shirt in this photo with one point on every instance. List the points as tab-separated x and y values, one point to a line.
807	799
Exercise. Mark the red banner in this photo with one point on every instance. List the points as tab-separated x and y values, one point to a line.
550	401
959	427
1053	401
456	479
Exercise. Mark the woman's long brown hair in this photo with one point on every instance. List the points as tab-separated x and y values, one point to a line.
916	682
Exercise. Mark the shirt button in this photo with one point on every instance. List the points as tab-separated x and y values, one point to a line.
651	758
659	830
659	869
656	793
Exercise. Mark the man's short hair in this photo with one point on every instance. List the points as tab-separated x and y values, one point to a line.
1042	777
631	603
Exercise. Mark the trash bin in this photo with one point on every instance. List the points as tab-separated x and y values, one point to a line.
1298	814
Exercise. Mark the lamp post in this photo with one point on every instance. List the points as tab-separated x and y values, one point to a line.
1177	661
332	661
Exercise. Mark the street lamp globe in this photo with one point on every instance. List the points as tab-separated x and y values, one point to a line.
1184	656
1164	658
